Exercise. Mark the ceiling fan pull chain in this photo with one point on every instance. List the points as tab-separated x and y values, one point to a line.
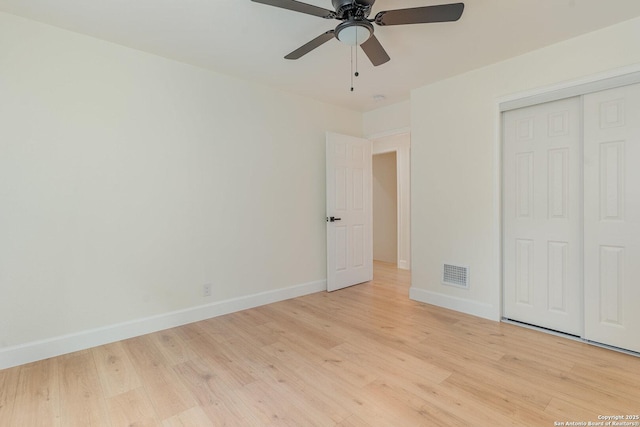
352	47
356	73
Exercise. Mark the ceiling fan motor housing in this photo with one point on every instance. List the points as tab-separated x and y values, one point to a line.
348	9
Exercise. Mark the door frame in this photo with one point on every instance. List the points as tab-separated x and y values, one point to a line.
602	81
399	141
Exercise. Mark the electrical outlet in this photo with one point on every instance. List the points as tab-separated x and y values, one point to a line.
206	290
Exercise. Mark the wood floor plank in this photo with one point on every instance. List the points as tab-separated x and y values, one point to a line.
82	401
519	409
627	380
376	406
276	405
315	316
566	386
132	408
37	400
290	321
247	324
219	394
363	356
390	361
117	374
222	357
205	382
561	409
353	421
172	346
162	385
8	389
391	387
468	408
299	385
330	361
190	418
494	384
337	396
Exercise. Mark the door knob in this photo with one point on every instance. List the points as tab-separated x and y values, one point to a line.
334	219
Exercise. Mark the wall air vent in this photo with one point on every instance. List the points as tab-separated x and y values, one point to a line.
455	275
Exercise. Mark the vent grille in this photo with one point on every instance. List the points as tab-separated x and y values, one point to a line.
455	275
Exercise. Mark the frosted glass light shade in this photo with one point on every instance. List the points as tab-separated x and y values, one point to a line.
354	35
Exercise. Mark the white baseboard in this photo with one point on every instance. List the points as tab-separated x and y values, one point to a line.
463	305
39	350
403	264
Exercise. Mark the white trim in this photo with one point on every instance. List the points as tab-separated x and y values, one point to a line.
468	306
39	350
594	83
497	206
393	132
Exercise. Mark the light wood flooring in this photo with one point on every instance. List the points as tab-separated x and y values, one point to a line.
362	356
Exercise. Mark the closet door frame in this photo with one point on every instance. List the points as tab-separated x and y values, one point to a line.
596	83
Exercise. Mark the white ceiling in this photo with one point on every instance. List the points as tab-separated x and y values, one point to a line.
249	40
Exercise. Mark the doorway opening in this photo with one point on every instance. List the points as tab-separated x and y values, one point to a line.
385	208
391	199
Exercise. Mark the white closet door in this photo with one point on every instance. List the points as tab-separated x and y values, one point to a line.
542	215
612	216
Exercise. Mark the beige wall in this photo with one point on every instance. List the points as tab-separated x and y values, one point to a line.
455	160
127	181
390	118
385	208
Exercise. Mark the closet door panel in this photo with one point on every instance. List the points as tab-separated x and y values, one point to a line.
612	217
542	215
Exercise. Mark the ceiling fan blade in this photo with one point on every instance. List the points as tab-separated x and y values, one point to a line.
421	15
374	50
318	41
297	6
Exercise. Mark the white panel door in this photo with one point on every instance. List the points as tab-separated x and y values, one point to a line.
542	207
349	211
612	217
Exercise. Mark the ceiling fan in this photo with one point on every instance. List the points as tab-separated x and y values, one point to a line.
357	29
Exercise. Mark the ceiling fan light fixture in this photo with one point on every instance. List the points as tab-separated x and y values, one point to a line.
356	29
354	33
